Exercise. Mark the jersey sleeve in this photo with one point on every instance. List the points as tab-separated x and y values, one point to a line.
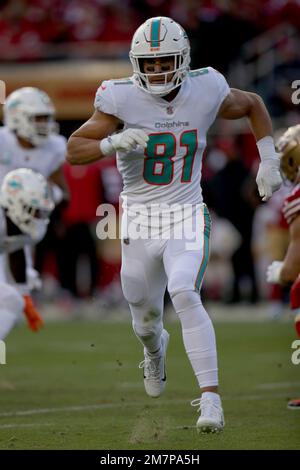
222	88
7	157
59	153
291	206
104	99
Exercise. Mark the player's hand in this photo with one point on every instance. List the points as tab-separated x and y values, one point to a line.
33	279
34	320
268	178
274	271
124	141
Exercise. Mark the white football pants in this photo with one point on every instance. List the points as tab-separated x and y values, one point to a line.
151	265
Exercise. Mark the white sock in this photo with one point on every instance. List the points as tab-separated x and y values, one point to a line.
198	337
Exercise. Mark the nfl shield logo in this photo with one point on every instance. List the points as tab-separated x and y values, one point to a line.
169	110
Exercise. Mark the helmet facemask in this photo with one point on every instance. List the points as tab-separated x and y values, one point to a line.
32	220
36	128
179	72
26	197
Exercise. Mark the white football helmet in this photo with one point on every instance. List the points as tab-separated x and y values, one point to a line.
160	37
25	195
22	109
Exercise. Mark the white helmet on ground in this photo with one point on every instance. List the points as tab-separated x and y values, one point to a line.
160	37
25	195
22	109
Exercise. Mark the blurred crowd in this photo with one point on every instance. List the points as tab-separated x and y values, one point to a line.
44	29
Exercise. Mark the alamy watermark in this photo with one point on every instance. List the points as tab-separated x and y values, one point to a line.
154	221
296	93
2	353
296	354
2	92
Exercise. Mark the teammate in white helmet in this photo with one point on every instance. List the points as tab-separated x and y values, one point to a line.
29	140
25	207
165	111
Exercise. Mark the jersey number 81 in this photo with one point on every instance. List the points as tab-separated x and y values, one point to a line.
160	151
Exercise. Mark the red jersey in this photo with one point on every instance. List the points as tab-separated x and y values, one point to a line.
85	188
291	205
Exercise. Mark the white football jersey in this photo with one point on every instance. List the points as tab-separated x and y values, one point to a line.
45	159
169	169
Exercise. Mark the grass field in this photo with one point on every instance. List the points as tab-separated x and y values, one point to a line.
77	386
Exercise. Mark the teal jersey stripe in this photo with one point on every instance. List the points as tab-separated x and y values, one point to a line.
207	228
155	30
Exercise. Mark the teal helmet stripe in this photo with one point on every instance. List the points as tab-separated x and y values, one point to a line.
155	33
207	228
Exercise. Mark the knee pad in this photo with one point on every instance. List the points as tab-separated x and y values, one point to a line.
134	289
180	281
190	310
186	300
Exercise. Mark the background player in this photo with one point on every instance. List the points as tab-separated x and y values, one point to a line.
287	272
165	112
25	208
29	140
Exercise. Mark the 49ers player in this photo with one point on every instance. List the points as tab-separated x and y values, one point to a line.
287	272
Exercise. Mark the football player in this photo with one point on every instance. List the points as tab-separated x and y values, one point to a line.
29	140
287	272
165	111
25	207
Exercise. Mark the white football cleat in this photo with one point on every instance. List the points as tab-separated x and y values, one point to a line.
211	419
155	369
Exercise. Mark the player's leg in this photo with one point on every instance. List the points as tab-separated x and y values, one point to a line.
11	307
144	284
185	263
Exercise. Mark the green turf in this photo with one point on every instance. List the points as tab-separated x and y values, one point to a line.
94	365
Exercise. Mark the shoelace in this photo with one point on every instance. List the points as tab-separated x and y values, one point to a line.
211	408
151	366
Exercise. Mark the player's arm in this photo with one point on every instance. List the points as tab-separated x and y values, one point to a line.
239	104
286	271
242	104
83	145
14	243
93	140
59	185
291	263
58	179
